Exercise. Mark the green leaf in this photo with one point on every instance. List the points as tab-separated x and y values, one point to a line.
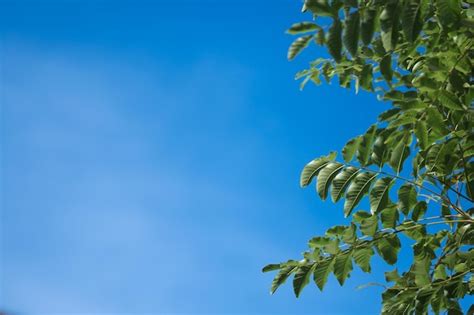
389	114
325	178
362	257
421	132
379	194
448	11
386	67
334	41
351	3
350	234
368	223
411	20
413	230
442	158
406	198
388	248
392	276
318	7
460	268
314	167
281	277
271	267
342	181
454	308
301	278
368	25
319	242
302	27
351	33
332	247
449	100
366	77
350	148
389	217
322	271
343	266
440	273
357	189
379	151
399	155
320	37
423	298
365	147
337	230
437	125
419	211
421	269
298	45
389	25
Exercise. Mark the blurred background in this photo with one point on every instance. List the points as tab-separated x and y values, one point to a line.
150	158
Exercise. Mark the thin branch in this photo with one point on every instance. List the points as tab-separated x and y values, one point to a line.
458	193
390	231
444	198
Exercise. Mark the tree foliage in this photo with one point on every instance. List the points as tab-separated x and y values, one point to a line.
415	165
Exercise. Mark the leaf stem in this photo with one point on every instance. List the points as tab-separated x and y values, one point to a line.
444	198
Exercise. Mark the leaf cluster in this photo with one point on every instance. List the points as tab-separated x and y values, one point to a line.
414	166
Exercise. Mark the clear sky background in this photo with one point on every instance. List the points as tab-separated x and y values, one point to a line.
151	153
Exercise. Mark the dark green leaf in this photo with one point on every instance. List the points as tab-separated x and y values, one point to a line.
421	132
325	178
388	248
362	257
448	11
366	77
421	269
365	147
411	20
389	25
281	277
406	198
334	41
271	267
386	67
379	194
419	211
301	278
351	33
399	155
389	114
322	271
368	25
449	100
343	266
350	148
314	167
389	217
357	189
342	181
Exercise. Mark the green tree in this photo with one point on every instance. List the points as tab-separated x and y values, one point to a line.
415	165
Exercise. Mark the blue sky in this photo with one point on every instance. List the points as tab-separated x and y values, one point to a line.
150	159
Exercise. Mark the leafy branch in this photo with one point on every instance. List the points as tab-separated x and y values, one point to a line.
417	56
